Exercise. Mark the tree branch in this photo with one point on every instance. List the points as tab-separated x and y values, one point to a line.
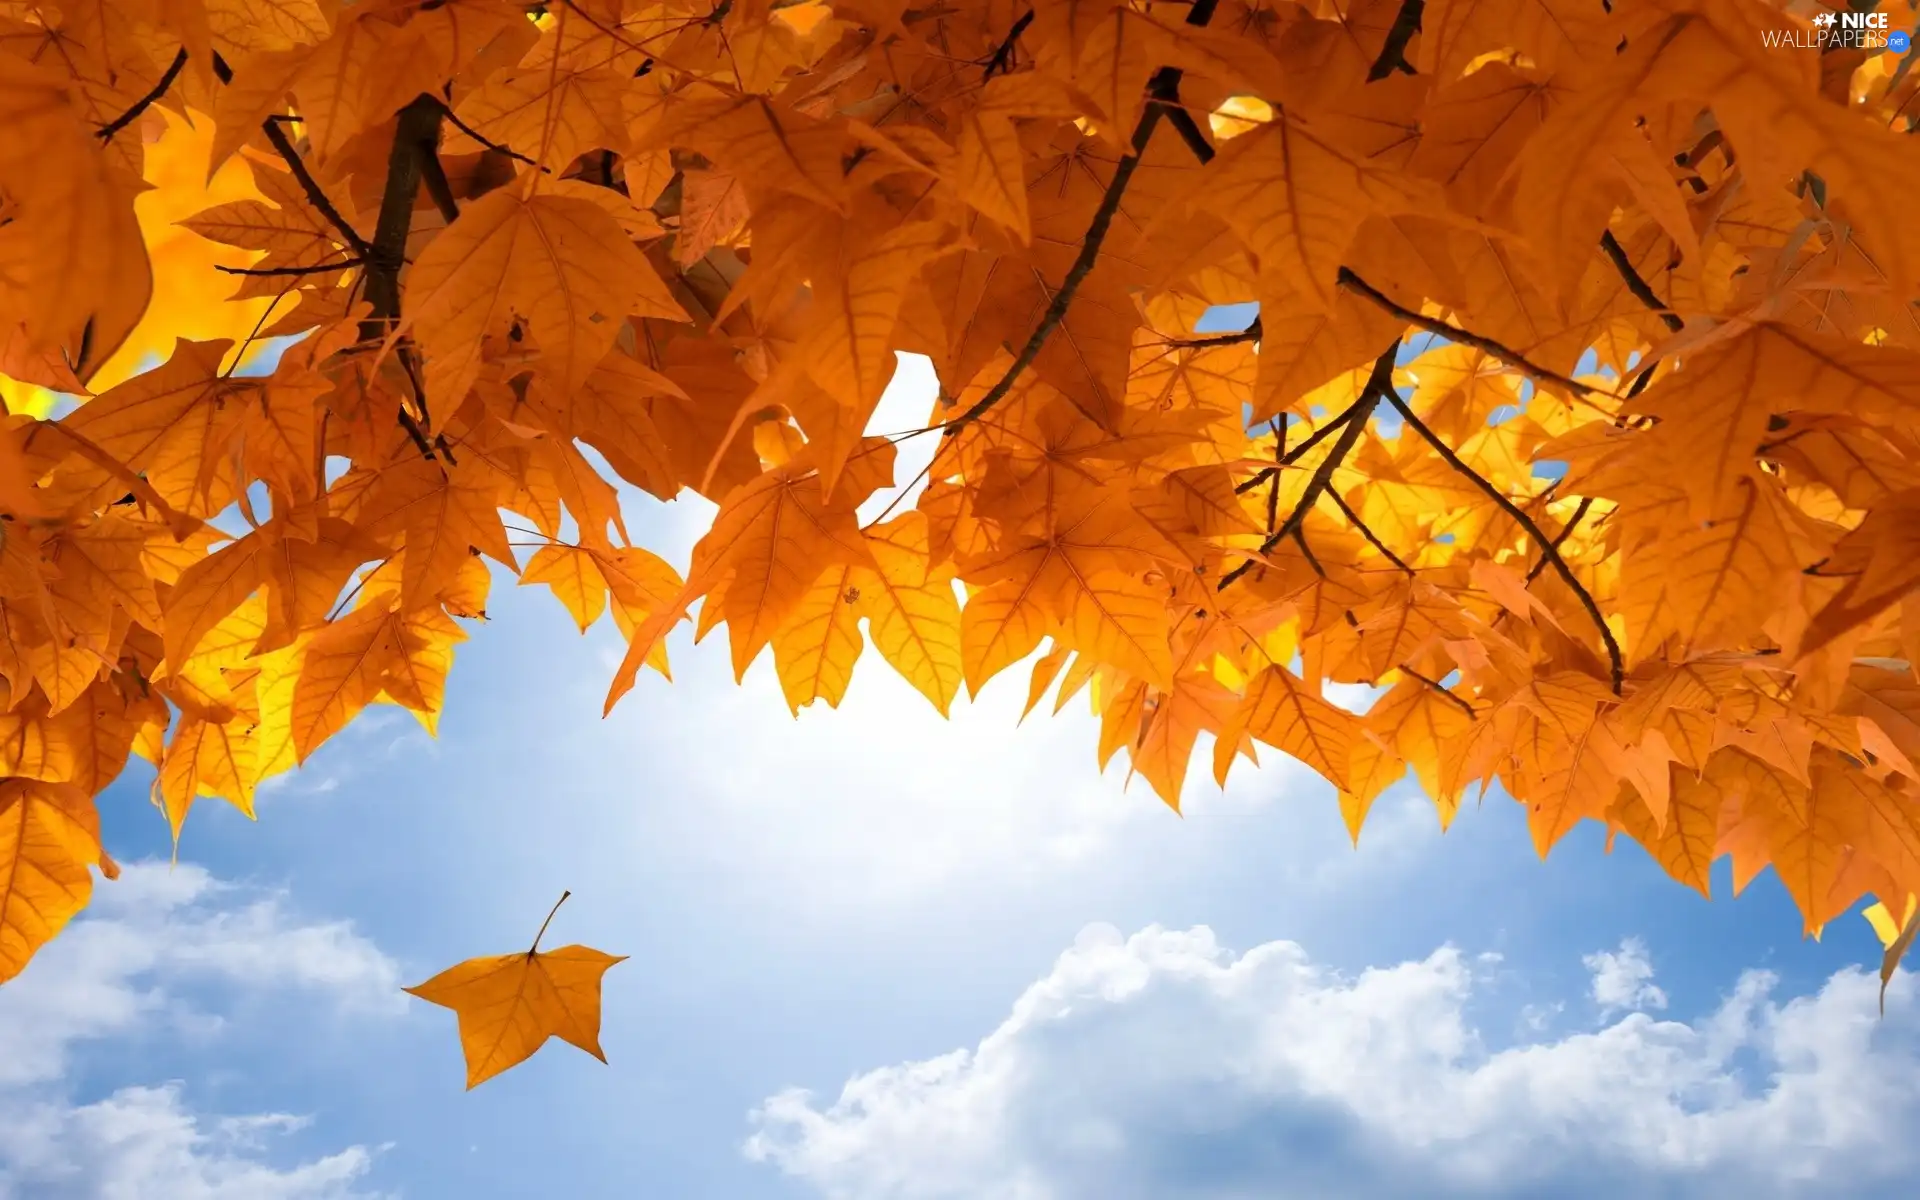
1250	334
1351	424
1003	54
316	195
1551	549
1513	358
316	269
1298	452
1393	55
1641	289
1188	129
434	174
1560	539
105	132
416	136
1199	14
447	112
1353	518
1408	671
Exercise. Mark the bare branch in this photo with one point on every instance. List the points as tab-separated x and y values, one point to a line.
105	132
316	195
1003	54
1393	55
1250	334
315	269
1641	289
1513	358
1165	79
1550	548
1351	423
1353	518
446	110
1449	693
1560	539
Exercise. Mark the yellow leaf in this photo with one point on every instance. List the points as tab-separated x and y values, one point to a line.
49	836
510	1004
554	262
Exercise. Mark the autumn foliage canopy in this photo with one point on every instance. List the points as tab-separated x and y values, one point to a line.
1581	413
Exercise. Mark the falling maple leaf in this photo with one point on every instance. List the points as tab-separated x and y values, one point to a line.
510	1004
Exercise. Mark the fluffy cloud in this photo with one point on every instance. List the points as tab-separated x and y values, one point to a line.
120	969
1163	1066
1623	978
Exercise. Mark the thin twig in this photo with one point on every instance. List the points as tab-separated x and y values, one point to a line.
1352	423
1641	289
1165	77
1188	129
316	195
316	269
1393	55
1250	334
1551	551
1003	54
105	132
1560	539
446	111
1444	691
1353	518
1298	452
1352	282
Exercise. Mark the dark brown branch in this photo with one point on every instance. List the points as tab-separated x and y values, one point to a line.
1279	427
1444	691
1550	549
1070	284
416	137
1641	289
1644	378
105	132
1188	129
1352	423
1353	518
1560	539
1250	334
446	111
1513	358
1166	81
1393	55
1003	54
316	269
316	195
434	174
1298	452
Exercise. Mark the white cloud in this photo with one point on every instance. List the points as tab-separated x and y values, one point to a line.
119	971
1162	1066
1623	978
143	1143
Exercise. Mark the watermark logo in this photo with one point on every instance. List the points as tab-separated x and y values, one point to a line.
1871	31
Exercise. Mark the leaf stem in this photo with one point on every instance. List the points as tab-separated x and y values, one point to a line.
543	925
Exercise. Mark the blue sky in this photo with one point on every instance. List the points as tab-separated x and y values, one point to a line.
875	954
